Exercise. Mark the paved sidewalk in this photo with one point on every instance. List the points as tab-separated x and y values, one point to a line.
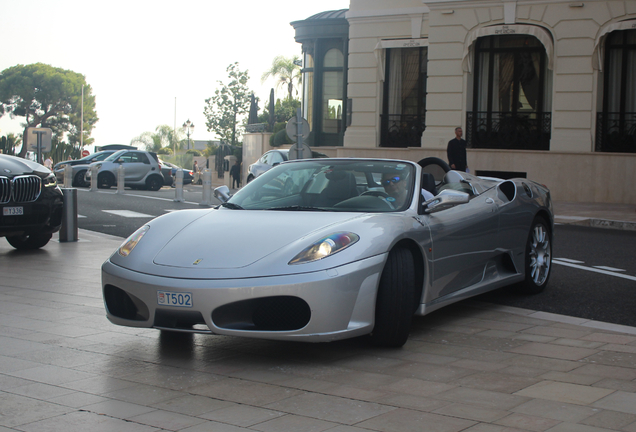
471	367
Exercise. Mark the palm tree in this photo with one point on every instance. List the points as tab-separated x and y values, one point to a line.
162	137
286	71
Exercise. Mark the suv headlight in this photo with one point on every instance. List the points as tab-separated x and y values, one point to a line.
50	180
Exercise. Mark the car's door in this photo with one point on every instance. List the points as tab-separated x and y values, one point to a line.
464	239
136	165
263	164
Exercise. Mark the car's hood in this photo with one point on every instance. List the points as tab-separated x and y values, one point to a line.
11	166
226	244
217	241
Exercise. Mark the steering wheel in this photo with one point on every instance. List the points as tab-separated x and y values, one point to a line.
376	193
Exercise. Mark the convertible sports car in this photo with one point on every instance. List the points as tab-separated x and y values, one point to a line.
326	249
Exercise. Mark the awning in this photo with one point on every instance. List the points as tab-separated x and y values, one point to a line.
597	54
510	29
380	50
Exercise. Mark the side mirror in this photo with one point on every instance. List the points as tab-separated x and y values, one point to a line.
444	200
222	193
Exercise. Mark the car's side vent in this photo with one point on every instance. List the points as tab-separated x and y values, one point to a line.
508	189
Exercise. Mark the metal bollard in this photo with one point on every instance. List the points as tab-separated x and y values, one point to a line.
121	179
69	229
68	176
94	183
207	188
178	184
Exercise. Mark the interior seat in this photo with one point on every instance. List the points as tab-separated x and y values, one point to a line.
342	186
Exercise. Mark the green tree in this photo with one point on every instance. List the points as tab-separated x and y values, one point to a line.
228	103
8	144
283	111
286	71
48	97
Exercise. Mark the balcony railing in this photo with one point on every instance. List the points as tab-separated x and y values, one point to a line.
505	130
616	132
402	130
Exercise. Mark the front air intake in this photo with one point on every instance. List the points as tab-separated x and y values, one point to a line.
280	313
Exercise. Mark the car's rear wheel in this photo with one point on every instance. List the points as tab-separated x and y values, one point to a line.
79	180
538	258
29	242
154	183
106	180
394	304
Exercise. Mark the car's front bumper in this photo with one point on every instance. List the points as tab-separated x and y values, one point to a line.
336	304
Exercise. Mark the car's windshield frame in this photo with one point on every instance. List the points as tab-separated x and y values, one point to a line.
352	185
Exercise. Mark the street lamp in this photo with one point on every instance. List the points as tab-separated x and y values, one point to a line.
188	128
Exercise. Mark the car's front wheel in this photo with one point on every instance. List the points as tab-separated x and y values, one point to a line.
250	178
154	183
538	258
106	180
79	180
29	242
395	301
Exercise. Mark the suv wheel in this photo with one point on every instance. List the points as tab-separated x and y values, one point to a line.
29	242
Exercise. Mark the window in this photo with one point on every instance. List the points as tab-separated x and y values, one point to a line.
308	90
332	90
404	102
616	124
511	94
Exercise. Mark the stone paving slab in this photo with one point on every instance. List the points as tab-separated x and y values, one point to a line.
471	367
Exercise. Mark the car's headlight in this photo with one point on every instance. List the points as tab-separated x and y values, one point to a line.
50	180
126	248
98	166
325	247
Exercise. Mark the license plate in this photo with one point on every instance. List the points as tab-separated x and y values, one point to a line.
177	299
13	211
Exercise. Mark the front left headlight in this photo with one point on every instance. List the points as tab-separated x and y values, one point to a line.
325	247
127	247
50	180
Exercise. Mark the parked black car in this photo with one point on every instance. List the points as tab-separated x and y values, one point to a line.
31	203
79	167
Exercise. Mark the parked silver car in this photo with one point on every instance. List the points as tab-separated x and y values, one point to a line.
267	161
337	248
141	170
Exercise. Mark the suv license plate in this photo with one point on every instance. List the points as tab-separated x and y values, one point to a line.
12	211
177	299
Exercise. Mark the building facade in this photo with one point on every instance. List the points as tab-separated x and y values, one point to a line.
545	90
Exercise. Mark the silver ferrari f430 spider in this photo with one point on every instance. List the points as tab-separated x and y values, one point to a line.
326	249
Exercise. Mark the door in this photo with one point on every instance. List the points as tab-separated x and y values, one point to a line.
464	240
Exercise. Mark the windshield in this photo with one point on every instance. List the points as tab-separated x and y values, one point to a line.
114	156
352	185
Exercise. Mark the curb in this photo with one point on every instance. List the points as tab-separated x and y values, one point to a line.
596	223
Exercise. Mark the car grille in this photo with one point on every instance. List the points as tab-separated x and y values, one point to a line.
22	189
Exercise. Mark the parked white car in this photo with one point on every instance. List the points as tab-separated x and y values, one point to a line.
141	170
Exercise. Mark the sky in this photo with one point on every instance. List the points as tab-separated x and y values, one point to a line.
152	63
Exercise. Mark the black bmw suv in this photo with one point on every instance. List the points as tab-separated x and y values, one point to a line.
31	203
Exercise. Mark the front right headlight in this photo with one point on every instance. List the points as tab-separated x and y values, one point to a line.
325	247
127	247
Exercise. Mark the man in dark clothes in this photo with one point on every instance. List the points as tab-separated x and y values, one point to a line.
456	152
235	173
